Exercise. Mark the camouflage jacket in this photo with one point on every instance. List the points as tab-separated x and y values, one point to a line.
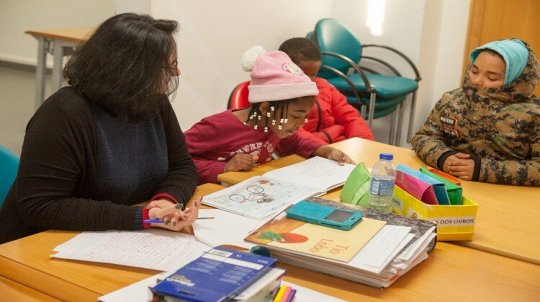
498	127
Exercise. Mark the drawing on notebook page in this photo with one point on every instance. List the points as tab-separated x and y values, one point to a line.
262	196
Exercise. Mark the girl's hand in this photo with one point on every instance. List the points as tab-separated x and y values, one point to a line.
333	154
241	162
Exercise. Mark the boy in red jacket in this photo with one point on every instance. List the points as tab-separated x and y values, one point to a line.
332	118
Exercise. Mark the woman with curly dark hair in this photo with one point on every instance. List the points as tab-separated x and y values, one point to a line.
108	141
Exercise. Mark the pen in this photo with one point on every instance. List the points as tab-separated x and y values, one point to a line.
157	220
291	296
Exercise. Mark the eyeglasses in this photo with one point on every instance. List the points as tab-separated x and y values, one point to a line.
173	65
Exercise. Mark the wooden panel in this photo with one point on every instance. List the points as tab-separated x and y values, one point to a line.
451	273
13	291
498	19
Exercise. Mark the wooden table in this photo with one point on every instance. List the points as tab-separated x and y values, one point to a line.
13	291
59	42
451	273
508	217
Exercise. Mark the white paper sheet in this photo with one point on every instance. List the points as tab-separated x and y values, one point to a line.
225	228
152	249
259	197
382	248
139	292
318	172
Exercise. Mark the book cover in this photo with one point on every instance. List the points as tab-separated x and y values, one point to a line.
454	191
302	237
421	186
404	257
418	226
219	275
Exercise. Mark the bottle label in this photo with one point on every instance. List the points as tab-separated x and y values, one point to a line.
381	186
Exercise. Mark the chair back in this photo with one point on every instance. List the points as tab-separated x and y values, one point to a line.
239	96
332	36
9	164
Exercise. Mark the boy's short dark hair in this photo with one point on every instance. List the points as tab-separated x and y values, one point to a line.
301	49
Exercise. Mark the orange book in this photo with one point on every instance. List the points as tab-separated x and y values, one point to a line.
446	176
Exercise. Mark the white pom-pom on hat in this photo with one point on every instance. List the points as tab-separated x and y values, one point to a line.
250	55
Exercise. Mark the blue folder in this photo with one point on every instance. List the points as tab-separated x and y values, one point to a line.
438	186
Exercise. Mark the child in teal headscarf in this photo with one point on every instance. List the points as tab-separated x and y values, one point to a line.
489	129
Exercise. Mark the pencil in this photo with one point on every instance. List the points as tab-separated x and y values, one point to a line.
157	220
285	297
291	296
280	293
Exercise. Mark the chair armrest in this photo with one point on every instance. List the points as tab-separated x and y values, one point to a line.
399	53
346	78
353	65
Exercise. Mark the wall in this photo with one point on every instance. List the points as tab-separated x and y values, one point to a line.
211	41
16	17
210	62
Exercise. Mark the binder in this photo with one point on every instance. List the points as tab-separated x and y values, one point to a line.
421	186
454	191
219	275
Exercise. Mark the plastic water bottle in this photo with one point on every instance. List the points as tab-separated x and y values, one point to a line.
383	177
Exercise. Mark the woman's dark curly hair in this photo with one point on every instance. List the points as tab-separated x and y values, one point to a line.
127	65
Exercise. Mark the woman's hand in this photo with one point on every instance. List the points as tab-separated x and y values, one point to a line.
459	165
333	154
162	204
173	217
241	162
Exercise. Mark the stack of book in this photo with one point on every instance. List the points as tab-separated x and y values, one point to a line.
223	274
376	251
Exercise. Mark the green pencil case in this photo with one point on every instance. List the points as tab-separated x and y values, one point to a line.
356	187
454	191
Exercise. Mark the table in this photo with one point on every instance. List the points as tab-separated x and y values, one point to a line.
13	291
508	217
59	43
451	273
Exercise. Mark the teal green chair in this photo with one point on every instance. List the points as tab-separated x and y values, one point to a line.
376	89
9	164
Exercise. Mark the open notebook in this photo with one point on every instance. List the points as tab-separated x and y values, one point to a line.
260	197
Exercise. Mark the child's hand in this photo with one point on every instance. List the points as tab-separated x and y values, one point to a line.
241	162
333	154
459	165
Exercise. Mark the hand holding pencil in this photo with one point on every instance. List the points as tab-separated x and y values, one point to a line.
172	217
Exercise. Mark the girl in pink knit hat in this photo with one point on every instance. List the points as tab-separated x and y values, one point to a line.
281	96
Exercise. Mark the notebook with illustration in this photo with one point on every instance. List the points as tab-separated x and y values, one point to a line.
421	186
262	196
305	238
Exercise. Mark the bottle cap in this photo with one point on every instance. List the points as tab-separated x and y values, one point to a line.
386	156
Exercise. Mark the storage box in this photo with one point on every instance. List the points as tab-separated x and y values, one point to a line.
454	222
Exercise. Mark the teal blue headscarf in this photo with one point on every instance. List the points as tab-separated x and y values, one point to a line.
514	53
